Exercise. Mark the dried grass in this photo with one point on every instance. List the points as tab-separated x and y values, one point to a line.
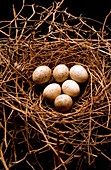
28	120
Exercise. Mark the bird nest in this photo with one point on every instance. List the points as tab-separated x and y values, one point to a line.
31	128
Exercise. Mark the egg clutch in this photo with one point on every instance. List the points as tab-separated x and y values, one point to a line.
61	95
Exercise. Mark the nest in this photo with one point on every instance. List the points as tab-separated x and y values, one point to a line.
31	129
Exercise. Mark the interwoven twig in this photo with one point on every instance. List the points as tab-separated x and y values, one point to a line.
25	116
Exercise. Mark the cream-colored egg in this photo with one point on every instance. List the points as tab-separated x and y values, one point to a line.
71	88
61	73
41	74
78	73
52	91
63	102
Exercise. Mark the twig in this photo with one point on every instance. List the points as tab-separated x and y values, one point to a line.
2	157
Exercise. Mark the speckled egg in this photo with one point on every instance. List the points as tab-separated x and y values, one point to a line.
63	102
78	73
41	74
52	91
61	73
71	88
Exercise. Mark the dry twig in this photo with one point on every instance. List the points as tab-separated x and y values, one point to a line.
25	117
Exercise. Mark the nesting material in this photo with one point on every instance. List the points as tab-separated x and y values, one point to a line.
71	88
63	102
52	91
78	73
61	73
41	74
33	128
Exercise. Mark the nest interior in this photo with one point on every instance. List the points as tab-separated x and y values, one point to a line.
31	129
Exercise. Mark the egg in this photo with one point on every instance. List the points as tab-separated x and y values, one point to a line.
71	88
63	102
52	91
61	73
41	74
78	73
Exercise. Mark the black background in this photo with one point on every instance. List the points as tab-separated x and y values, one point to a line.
92	9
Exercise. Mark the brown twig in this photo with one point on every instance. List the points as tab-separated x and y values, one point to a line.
25	116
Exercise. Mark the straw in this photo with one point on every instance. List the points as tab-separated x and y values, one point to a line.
50	36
